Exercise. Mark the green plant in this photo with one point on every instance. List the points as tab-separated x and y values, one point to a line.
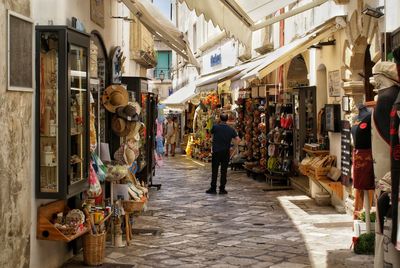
372	216
365	244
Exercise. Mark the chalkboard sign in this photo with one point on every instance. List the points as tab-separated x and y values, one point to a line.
20	52
346	152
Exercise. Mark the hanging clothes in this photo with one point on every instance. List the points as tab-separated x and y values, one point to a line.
395	168
160	127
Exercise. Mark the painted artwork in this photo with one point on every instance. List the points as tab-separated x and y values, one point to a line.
97	12
334	84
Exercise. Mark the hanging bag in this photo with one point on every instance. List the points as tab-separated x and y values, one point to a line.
94	184
99	167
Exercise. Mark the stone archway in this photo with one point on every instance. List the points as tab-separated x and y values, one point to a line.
362	38
297	72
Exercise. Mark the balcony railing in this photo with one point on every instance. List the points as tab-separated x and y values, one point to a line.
162	73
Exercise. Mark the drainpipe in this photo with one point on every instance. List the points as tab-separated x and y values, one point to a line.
177	26
281	44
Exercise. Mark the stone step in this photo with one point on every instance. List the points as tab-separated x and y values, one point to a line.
301	183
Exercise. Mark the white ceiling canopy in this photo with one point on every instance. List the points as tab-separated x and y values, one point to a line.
258	10
239	18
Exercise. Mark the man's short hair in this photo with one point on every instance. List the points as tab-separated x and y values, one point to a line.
223	117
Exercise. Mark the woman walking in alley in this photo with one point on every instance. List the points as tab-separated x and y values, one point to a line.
170	135
221	143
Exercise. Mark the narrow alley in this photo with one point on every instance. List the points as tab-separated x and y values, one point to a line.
249	227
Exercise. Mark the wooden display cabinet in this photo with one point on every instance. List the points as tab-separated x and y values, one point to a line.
62	112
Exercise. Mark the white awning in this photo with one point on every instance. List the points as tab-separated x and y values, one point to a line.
186	93
181	96
240	17
164	29
222	17
284	54
233	73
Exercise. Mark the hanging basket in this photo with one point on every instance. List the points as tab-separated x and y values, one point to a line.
94	248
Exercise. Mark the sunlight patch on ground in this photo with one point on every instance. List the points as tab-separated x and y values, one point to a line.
310	221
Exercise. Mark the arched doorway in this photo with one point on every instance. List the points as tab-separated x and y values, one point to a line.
322	95
297	72
99	80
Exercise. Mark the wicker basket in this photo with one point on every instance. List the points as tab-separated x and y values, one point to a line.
133	206
94	248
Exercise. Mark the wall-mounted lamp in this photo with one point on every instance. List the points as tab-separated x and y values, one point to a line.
374	12
161	75
326	43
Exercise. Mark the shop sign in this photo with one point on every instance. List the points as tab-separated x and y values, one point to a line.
346	153
215	59
334	84
224	87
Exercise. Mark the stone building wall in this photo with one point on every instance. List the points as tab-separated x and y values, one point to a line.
16	169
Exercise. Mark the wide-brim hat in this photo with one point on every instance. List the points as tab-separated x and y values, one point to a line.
134	132
120	126
115	96
128	112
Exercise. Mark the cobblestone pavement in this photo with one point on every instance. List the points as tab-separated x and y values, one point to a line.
248	227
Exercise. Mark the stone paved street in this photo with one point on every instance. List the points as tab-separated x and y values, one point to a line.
248	227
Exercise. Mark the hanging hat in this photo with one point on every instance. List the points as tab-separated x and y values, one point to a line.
128	112
134	131
137	106
120	126
115	96
387	69
129	155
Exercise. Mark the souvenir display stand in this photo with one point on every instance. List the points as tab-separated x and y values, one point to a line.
255	137
280	142
138	88
206	112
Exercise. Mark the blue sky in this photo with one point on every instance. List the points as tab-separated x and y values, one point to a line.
164	6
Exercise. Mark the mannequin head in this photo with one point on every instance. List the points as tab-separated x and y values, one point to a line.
385	75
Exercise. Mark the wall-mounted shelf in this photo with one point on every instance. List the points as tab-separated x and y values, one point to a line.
46	229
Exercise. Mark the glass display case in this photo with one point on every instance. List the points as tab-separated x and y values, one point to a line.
62	113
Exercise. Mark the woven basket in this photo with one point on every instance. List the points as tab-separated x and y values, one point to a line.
133	206
94	249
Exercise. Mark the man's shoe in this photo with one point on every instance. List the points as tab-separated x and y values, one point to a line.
223	191
211	191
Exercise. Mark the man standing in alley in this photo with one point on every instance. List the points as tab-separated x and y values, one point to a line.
221	142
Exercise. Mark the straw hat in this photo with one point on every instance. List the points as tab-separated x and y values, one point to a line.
134	132
115	96
120	126
129	155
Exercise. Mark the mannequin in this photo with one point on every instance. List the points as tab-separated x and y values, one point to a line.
386	78
362	169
